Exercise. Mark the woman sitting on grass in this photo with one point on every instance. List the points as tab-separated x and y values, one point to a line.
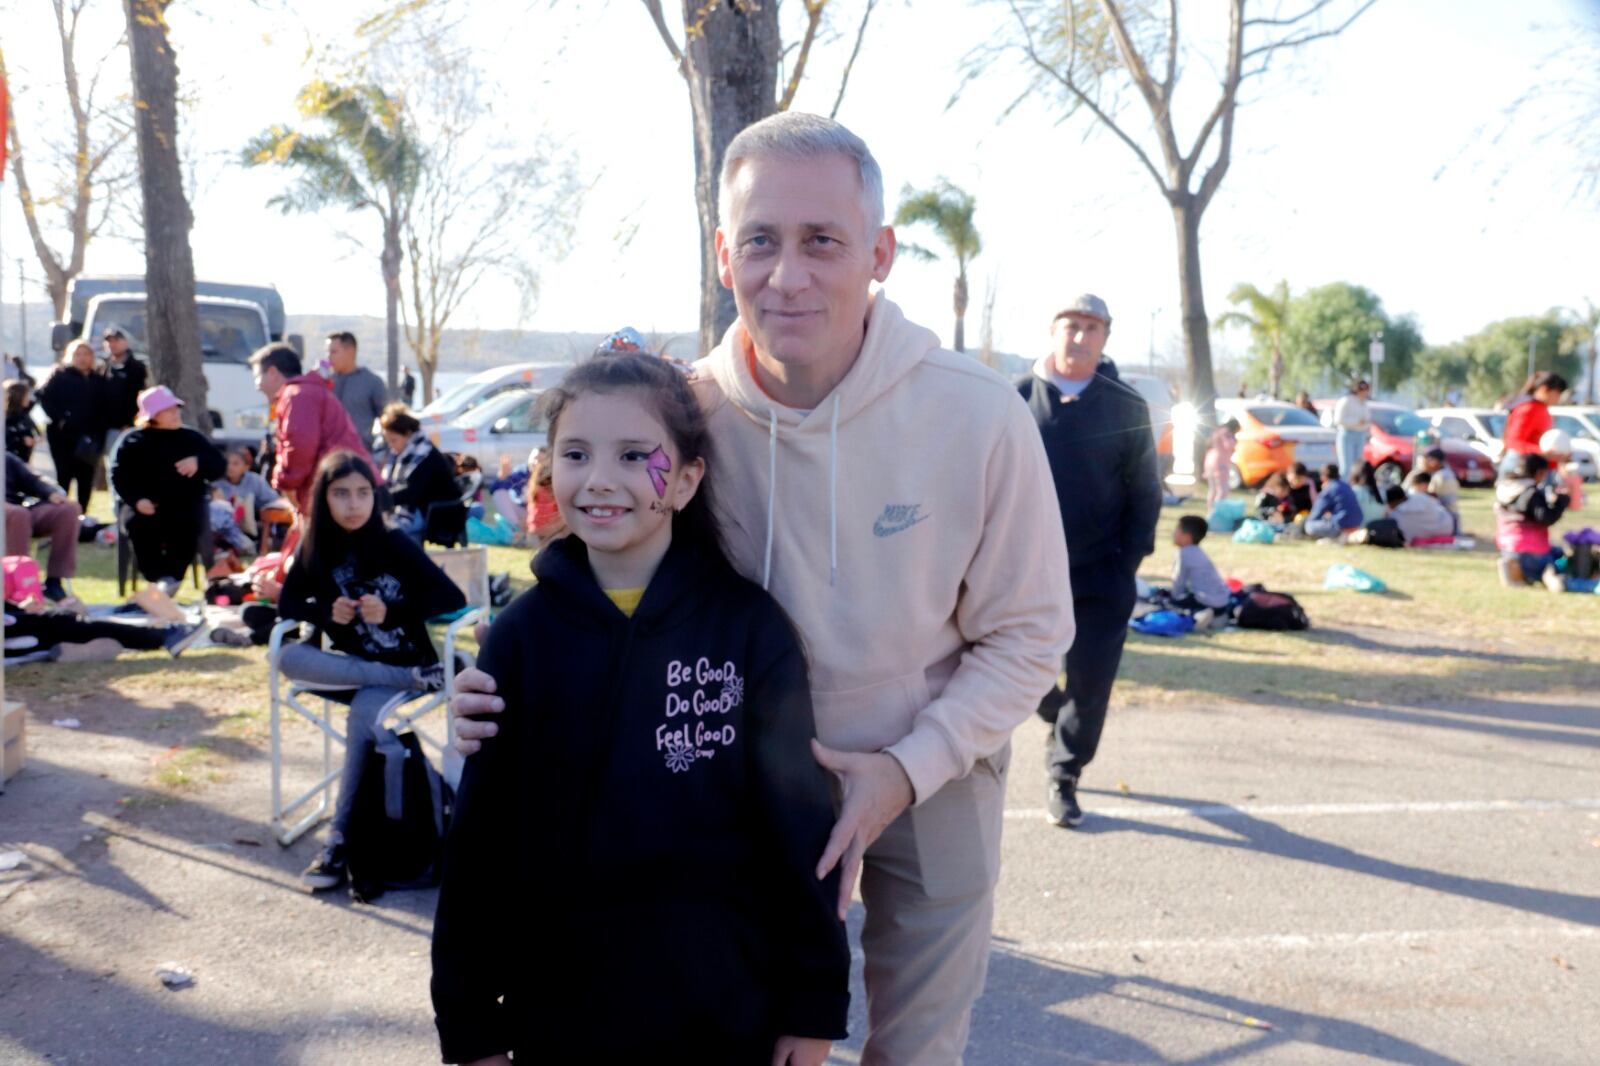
371	591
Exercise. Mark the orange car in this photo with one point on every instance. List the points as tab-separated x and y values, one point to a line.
1273	436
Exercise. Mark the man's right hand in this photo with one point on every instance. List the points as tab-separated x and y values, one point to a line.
145	507
474	695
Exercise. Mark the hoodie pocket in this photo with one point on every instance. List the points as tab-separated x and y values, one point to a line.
873	717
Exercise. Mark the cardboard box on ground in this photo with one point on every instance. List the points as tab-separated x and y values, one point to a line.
13	740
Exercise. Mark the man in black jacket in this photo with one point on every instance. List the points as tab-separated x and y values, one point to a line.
126	378
1102	457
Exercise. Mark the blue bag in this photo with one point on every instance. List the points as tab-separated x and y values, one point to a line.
1162	624
1345	576
1254	531
1226	516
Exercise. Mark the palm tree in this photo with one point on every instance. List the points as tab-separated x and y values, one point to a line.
1266	318
948	210
366	157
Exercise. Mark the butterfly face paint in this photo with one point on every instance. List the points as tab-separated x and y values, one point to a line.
659	466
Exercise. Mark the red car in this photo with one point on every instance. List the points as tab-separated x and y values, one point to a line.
1393	441
1394	438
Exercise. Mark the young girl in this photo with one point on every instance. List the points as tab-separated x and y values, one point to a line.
20	432
1219	460
1527	502
643	834
371	590
545	523
163	470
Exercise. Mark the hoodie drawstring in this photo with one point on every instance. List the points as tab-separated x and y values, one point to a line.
772	492
833	496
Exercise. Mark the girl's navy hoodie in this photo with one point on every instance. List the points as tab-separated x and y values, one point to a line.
389	565
632	859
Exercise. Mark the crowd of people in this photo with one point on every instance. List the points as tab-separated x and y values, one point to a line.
714	548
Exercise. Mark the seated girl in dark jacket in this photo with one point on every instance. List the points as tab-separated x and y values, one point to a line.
163	470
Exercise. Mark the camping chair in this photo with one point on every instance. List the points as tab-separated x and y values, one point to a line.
469	569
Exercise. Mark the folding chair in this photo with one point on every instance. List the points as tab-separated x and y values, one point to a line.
469	569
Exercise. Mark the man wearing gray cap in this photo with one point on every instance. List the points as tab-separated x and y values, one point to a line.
1096	432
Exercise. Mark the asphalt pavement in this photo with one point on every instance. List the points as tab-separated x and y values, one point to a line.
1407	883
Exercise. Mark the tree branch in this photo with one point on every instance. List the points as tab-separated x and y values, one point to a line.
1172	53
1307	13
813	20
1228	106
1082	98
1296	40
844	80
656	16
1140	73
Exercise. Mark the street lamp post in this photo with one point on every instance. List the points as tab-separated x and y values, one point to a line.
1375	353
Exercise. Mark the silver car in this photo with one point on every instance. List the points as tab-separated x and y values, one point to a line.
510	424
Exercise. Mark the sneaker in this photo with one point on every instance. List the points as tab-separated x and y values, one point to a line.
53	590
327	870
179	638
1061	804
1204	617
429	678
226	637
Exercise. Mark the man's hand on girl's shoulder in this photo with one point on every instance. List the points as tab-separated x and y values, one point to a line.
474	695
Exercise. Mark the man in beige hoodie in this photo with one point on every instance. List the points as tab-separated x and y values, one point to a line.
896	499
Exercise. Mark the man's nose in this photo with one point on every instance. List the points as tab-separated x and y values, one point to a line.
789	276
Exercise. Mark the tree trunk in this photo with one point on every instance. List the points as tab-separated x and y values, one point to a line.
961	312
173	325
731	65
1276	369
1196	331
426	370
390	261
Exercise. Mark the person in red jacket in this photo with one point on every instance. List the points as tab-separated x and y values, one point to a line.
309	421
1528	416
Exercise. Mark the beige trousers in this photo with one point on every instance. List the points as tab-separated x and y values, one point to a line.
928	886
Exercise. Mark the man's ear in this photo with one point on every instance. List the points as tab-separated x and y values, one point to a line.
883	254
724	263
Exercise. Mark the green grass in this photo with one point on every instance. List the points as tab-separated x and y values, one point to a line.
1445	630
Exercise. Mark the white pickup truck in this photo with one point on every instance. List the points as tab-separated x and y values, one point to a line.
235	320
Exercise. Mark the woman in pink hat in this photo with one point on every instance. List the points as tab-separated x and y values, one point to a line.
162	470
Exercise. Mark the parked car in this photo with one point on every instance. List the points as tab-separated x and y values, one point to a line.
1273	436
1391	446
1580	423
1485	428
1158	396
509	424
1480	426
449	406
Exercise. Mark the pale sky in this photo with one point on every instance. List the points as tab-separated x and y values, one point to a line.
1367	159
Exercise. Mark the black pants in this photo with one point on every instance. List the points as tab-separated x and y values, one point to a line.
165	543
1102	600
70	468
63	627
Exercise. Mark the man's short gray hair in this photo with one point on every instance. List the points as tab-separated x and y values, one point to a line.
799	135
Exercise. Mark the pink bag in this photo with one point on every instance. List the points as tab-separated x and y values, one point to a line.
22	578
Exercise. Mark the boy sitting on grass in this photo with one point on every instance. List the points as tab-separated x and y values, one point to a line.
1197	587
1442	483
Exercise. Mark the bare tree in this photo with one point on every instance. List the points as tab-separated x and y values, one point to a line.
1095	54
986	353
85	173
732	59
478	209
173	325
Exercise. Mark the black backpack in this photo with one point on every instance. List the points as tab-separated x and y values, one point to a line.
1271	610
397	825
1385	533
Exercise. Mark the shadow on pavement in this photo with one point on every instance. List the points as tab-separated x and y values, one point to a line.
1017	1023
1249	833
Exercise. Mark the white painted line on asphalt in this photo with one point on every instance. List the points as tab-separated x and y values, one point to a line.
1302	941
1152	812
